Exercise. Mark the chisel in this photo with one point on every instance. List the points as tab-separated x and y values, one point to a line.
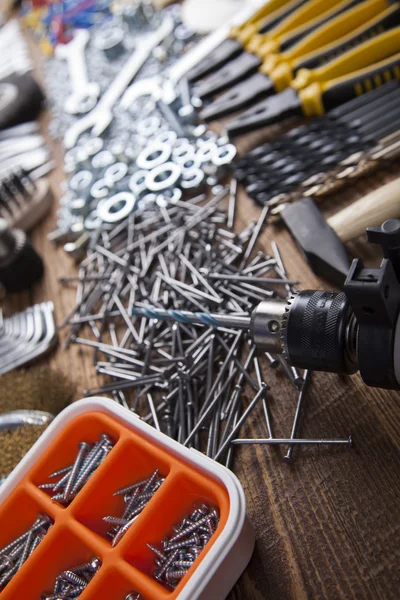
322	241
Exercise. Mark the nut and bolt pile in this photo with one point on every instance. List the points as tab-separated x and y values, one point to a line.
73	582
154	145
181	550
136	498
186	380
73	477
14	555
105	188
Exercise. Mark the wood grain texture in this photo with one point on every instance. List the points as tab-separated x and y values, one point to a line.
328	526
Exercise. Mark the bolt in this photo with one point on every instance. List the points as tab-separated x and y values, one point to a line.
173	576
83	449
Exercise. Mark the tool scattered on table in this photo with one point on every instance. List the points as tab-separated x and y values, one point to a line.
336	332
305	58
84	93
262	19
18	418
22	97
321	156
73	582
322	241
23	201
26	336
14	555
20	265
22	100
23	147
14	51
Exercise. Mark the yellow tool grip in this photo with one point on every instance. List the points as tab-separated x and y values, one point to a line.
320	97
372	51
280	67
304	15
253	25
261	13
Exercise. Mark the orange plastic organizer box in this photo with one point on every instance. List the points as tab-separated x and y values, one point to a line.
79	532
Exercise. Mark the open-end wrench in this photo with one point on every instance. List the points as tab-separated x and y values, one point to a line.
101	116
165	86
84	93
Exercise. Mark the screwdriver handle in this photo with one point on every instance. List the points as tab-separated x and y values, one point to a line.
362	56
372	210
318	98
367	20
301	16
352	26
270	12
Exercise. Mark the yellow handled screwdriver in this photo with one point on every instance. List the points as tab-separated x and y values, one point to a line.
341	33
313	92
296	26
266	17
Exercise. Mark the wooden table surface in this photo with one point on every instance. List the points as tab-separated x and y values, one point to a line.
327	526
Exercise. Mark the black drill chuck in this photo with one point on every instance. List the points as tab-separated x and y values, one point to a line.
319	332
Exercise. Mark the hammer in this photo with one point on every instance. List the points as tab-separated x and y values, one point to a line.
322	241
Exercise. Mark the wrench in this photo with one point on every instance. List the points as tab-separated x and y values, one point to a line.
101	116
164	87
84	93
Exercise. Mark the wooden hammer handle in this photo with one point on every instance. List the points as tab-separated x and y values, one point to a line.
372	210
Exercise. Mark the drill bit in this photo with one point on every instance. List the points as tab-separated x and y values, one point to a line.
235	321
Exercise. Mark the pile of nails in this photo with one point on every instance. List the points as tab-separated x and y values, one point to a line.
75	476
136	498
14	555
189	381
181	550
73	582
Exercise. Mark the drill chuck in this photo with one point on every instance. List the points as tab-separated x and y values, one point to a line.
314	329
319	332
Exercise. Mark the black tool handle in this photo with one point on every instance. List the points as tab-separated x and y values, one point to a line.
377	27
346	88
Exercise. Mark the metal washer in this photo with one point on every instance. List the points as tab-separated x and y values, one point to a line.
108	215
137	183
153	155
156	183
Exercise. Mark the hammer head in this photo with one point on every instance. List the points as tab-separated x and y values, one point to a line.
322	247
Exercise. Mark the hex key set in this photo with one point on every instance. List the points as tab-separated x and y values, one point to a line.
27	336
